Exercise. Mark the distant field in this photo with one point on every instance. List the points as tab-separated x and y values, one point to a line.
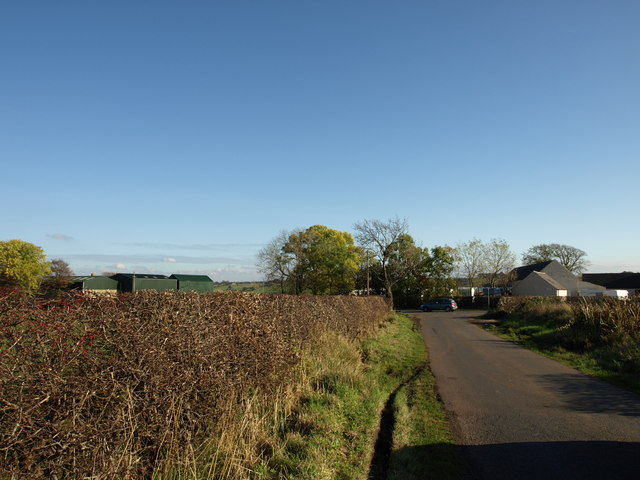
258	287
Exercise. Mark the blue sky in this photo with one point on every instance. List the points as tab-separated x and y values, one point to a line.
180	137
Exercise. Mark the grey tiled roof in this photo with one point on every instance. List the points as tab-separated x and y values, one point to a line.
521	273
550	281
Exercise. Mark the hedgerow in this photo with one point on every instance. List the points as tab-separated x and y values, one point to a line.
107	386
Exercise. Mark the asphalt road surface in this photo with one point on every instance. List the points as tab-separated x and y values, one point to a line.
519	415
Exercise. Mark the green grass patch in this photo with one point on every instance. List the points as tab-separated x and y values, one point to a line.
423	445
332	432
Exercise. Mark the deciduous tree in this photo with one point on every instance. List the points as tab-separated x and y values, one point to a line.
380	237
439	267
326	260
471	260
405	269
22	264
572	258
60	277
499	260
276	264
319	260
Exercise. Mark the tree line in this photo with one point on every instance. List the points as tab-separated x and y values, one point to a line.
380	258
383	258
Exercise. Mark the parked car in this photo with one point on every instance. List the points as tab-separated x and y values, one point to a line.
446	304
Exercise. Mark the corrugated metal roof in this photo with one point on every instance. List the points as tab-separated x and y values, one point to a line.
141	275
84	278
191	278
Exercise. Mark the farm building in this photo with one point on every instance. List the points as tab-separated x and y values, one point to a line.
629	281
194	283
540	284
135	282
555	270
94	283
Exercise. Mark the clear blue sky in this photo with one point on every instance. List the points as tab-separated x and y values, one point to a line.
180	137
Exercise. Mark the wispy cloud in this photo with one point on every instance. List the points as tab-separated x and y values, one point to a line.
149	259
113	258
235	274
60	236
233	270
202	246
613	267
220	267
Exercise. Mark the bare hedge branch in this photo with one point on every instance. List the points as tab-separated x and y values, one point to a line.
103	387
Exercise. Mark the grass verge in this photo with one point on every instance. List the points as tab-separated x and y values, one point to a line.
423	445
325	425
547	335
331	433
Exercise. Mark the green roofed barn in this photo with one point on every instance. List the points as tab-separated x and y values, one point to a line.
94	283
194	283
135	282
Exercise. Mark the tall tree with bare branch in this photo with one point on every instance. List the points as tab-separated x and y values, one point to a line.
59	279
276	264
471	260
382	239
500	260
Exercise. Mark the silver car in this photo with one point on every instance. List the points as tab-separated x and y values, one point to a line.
446	304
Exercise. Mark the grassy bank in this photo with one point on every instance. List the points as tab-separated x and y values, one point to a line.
329	427
330	430
421	445
600	337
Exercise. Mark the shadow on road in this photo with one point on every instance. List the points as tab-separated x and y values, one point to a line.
589	395
528	461
500	343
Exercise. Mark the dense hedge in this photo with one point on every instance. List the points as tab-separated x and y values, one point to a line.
101	385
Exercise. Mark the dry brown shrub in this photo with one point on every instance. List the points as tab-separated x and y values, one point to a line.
608	320
111	387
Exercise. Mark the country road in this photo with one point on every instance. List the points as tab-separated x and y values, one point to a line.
519	415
